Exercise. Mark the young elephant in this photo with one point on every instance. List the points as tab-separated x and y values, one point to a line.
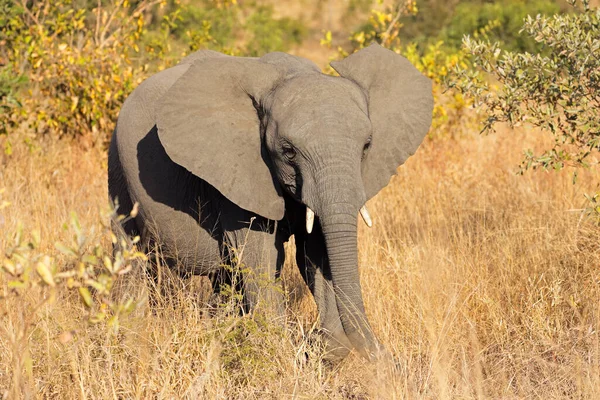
227	153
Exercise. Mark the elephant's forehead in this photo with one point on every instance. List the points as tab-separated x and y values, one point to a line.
317	91
322	104
329	121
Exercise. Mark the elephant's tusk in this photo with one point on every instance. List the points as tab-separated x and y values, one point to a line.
310	219
364	213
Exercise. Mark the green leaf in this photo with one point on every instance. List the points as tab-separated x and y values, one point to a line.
16	284
65	250
86	297
43	270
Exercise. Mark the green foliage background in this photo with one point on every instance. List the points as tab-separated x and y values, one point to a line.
66	66
449	21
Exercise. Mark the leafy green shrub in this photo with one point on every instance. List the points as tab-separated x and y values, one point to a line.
209	25
68	68
557	91
79	64
10	84
472	16
270	34
237	28
449	21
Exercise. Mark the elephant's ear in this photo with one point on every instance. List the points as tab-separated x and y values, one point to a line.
208	123
400	109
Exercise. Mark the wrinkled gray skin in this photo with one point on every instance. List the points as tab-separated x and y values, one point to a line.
224	152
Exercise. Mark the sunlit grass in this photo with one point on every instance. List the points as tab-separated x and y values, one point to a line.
481	283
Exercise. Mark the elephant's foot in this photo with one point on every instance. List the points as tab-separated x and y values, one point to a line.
335	353
337	345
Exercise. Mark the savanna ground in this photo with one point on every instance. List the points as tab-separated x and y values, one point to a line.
481	283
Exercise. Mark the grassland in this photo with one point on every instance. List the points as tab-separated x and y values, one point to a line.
482	283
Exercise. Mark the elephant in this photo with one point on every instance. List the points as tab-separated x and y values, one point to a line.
222	152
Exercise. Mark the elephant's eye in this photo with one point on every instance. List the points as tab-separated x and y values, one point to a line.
367	147
289	152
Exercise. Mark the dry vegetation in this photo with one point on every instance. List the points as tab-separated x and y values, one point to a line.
482	283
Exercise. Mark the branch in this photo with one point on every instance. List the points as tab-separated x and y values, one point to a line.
98	17
28	11
141	8
108	23
399	13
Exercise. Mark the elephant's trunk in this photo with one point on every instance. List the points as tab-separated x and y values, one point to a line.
337	195
338	221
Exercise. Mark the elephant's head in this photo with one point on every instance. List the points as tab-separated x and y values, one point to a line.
262	129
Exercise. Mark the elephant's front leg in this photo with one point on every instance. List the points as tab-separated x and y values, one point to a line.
257	254
311	256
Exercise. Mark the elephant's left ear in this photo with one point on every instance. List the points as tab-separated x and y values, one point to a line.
208	122
400	109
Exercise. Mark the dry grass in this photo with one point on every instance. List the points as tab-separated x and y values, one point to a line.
482	283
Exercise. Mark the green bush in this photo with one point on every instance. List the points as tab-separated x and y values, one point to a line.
270	34
66	67
509	16
236	28
450	21
557	91
78	63
209	26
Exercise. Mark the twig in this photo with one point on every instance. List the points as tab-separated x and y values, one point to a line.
108	23
141	8
387	32
35	19
98	16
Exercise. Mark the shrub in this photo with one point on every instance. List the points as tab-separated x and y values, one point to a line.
33	279
508	17
69	68
238	28
450	21
79	65
211	25
557	91
270	34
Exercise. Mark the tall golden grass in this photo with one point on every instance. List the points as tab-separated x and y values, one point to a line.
481	283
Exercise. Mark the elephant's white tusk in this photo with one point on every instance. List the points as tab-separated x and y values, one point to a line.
364	213
310	219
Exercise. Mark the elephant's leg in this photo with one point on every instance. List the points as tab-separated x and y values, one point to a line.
118	193
311	257
257	255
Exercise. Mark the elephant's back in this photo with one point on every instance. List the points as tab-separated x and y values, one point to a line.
169	197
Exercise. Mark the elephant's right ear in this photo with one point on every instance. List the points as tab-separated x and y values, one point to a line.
208	123
400	108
